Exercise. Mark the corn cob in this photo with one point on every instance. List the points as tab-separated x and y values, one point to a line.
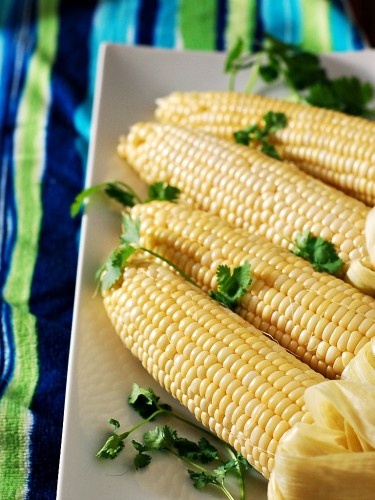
243	386
334	147
320	319
247	188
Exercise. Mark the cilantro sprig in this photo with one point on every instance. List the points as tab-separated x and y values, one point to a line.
318	251
232	285
303	73
205	464
256	135
110	272
125	194
146	403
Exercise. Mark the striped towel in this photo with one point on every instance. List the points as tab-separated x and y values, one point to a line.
48	55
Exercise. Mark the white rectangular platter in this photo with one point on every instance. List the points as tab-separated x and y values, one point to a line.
101	371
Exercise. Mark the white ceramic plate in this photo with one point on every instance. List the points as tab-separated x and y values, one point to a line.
101	371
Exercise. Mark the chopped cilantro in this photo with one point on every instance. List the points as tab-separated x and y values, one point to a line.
163	192
257	135
318	251
202	479
231	286
145	402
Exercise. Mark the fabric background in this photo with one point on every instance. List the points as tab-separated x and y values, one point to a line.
48	55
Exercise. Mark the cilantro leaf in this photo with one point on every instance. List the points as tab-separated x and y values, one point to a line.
145	402
233	56
231	286
141	460
114	444
221	471
269	72
202	479
270	150
117	190
202	451
348	95
243	462
163	192
318	251
298	67
160	438
75	207
110	272
272	123
131	233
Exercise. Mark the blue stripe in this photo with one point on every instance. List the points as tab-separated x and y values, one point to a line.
146	22
16	47
358	41
166	24
9	231
282	19
52	290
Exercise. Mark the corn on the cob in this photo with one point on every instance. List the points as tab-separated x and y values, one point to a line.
247	188
243	386
332	146
317	317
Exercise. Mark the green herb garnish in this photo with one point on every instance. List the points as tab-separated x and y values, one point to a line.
198	455
346	94
110	272
163	192
231	61
125	195
302	72
260	136
318	251
231	286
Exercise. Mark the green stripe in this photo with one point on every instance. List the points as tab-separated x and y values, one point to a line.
242	17
315	25
198	24
29	151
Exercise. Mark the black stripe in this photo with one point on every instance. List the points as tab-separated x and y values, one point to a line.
222	13
146	22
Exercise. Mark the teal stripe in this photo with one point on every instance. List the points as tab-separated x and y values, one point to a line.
113	22
29	158
282	19
341	29
166	24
